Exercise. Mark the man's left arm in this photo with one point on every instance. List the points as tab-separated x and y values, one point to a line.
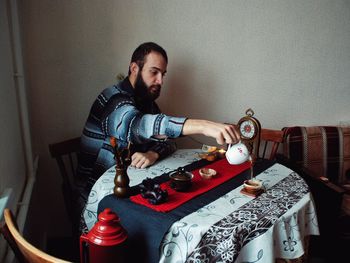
156	152
164	148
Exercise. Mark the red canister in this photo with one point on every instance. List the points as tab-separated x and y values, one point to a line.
105	242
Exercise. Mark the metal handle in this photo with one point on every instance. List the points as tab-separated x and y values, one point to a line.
84	249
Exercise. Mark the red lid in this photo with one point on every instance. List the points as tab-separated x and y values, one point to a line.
107	231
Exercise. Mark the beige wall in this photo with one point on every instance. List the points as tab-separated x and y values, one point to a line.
12	159
288	60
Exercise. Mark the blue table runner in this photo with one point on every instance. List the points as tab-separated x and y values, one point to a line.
146	227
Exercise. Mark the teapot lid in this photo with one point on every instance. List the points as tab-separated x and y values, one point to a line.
107	231
181	175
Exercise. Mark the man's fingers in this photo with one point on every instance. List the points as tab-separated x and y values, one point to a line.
220	140
141	164
227	135
233	135
143	160
144	165
136	160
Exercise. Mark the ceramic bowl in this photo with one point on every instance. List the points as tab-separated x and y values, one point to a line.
208	156
252	185
207	173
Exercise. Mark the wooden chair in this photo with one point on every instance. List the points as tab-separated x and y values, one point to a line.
66	155
270	141
23	250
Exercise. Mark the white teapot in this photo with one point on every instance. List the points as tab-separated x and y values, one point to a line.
237	153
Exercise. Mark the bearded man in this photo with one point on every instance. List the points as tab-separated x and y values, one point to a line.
127	111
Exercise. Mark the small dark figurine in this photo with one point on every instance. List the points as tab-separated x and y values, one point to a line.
152	192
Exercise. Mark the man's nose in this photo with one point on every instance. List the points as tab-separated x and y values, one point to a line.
159	80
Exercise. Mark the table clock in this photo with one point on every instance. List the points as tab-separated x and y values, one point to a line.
249	129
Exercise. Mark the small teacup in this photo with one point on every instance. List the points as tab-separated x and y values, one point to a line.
252	185
237	153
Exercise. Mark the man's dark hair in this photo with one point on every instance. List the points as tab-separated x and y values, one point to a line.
143	50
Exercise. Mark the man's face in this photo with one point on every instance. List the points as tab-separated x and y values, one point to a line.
149	79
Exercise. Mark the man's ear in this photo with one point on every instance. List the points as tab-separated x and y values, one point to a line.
134	68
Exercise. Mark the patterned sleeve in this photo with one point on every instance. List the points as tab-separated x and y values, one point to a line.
124	121
164	149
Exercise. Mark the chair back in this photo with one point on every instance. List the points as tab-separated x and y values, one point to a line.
268	145
23	250
270	141
66	155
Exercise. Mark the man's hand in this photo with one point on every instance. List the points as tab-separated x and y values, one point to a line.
223	133
143	160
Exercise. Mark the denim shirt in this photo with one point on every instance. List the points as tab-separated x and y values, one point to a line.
116	112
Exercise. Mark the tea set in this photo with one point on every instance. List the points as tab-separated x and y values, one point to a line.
181	180
236	154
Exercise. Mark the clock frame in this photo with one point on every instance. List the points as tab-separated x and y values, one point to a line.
249	128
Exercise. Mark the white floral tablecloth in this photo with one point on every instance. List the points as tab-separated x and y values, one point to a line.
235	227
239	228
105	184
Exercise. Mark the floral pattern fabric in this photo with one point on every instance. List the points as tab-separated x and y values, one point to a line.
238	228
225	239
105	184
235	227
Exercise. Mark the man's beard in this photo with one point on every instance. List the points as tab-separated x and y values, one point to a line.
144	92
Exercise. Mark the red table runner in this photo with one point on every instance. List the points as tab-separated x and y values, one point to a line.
225	171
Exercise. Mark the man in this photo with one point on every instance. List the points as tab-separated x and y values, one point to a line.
128	112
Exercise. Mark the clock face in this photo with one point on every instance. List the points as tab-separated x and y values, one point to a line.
247	129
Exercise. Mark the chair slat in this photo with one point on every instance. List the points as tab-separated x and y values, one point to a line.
271	140
66	153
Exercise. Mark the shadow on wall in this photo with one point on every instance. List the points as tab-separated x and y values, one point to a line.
181	98
184	97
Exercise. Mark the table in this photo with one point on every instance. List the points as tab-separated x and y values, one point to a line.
105	184
222	225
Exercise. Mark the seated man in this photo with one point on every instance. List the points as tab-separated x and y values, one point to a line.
127	111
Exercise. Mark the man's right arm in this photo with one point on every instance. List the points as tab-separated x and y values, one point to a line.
223	133
125	121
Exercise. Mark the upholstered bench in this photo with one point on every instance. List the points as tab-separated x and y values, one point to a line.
324	153
323	150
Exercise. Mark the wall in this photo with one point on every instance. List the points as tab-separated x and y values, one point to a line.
12	160
288	60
